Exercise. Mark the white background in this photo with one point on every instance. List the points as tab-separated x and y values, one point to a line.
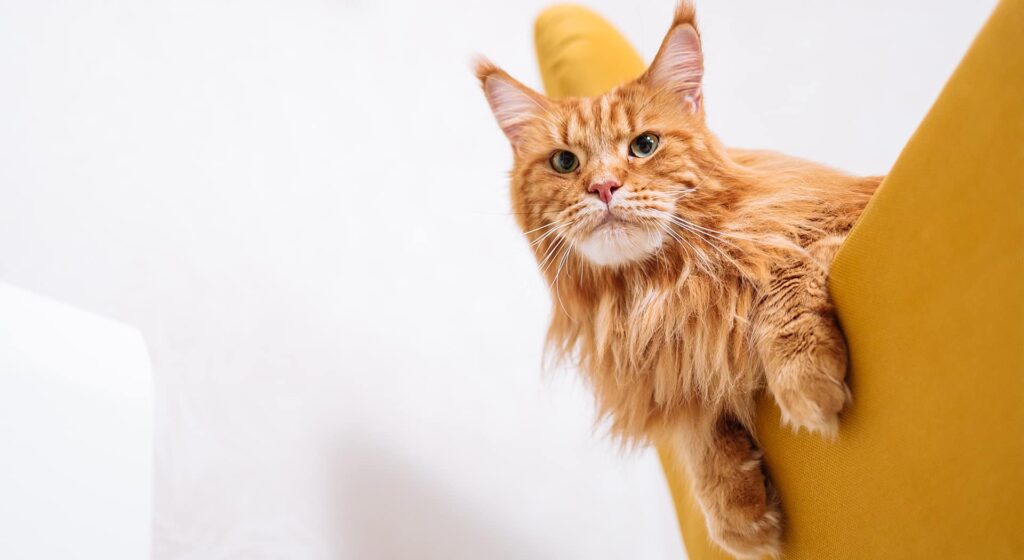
302	205
76	433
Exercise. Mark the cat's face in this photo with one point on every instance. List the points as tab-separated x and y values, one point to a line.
603	175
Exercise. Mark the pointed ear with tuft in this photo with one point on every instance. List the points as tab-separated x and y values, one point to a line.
512	103
679	65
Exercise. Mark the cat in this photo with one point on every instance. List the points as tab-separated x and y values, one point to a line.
685	277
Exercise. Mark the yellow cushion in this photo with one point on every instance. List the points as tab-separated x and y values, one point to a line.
581	54
930	292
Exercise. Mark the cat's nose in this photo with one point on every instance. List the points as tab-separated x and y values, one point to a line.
604	189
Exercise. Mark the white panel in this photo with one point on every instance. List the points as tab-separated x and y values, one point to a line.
76	424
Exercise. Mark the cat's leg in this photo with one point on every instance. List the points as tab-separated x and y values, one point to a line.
803	351
729	482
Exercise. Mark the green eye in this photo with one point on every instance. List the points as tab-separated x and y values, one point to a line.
564	161
643	145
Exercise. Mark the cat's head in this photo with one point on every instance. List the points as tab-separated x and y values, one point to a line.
604	174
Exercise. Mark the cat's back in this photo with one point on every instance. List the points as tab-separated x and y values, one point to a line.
839	195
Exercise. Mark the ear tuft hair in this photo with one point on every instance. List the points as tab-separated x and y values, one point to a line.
685	13
483	68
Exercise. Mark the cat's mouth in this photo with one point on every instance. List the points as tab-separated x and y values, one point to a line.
615	234
611	219
616	239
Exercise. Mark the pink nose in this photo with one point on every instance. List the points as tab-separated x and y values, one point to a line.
605	190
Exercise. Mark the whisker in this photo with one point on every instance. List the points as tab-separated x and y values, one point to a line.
700	231
555	223
550	232
520	213
707	238
547	261
554	283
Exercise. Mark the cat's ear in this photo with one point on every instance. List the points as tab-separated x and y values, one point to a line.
512	103
679	64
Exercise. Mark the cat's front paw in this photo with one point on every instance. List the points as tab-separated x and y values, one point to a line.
809	385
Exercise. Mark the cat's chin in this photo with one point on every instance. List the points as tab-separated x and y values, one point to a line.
619	243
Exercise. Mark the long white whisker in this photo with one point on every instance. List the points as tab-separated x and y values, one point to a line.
554	284
694	252
545	263
710	240
699	231
555	223
548	233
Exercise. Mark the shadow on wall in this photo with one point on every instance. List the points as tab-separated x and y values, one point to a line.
389	510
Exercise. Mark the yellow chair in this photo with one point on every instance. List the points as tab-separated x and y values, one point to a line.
929	287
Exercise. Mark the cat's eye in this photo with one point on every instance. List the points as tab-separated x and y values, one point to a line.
564	161
643	145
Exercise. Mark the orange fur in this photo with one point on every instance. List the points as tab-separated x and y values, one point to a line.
715	285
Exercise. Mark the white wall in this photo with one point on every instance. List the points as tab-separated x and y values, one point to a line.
302	206
76	433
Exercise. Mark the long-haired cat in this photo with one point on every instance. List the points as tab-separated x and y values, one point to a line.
685	277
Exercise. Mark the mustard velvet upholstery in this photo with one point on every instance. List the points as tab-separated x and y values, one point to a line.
929	288
581	54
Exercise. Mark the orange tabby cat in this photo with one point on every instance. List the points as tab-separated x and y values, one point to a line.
686	277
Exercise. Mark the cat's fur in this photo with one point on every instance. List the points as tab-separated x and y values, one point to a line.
706	286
